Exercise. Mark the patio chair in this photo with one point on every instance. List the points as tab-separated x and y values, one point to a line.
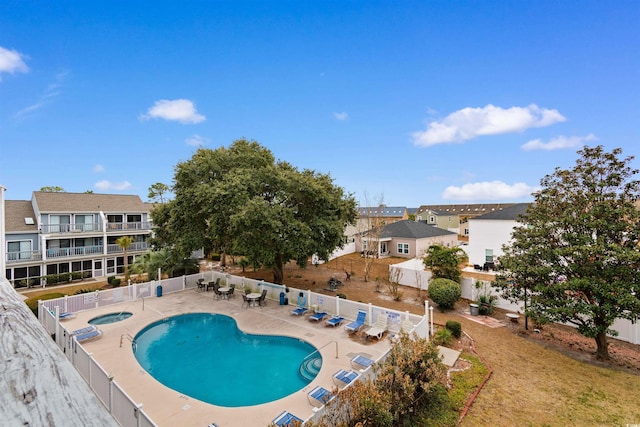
232	290
213	285
334	321
362	361
263	298
216	290
320	395
378	330
344	377
299	311
245	300
357	324
201	284
318	316
285	419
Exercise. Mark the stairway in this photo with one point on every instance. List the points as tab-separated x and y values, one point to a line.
309	368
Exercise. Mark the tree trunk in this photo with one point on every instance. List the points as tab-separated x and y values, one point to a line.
602	352
278	270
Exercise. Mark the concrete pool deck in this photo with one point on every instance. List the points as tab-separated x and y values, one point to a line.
167	407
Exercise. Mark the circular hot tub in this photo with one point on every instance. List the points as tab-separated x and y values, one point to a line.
110	318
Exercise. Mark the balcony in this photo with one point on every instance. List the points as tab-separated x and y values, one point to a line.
135	247
71	228
128	226
74	252
26	256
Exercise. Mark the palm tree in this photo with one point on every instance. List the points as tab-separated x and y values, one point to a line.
125	242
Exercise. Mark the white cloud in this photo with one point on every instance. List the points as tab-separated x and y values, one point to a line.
105	185
11	61
197	140
50	93
179	110
470	123
494	190
558	143
341	116
98	168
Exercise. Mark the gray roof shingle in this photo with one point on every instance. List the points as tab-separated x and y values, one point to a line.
15	213
510	213
408	229
48	202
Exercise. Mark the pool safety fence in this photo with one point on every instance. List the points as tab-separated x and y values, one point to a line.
122	407
129	413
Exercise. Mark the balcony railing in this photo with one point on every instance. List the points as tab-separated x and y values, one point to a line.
124	226
74	252
135	246
71	228
94	227
25	256
57	253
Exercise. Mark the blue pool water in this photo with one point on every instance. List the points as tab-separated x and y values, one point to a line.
207	357
110	318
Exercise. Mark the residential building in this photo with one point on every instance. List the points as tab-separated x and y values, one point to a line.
456	216
407	239
489	232
377	216
55	233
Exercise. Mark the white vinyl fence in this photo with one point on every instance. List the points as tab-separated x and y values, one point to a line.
129	413
411	273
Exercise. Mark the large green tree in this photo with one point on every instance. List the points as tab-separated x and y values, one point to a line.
240	200
577	249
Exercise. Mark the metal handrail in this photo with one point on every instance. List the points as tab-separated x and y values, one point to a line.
320	348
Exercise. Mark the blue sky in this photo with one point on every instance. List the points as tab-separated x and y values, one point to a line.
409	103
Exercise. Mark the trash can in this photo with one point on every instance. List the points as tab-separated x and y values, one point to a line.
474	309
158	291
281	298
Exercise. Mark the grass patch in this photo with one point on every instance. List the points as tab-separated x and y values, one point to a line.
443	409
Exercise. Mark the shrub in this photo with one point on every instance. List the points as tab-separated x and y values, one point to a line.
444	292
443	337
110	279
32	303
454	327
115	282
341	295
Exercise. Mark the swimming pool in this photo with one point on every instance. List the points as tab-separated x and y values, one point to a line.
110	318
207	357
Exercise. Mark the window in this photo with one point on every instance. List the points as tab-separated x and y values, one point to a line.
488	255
403	248
59	223
19	250
84	222
466	231
432	219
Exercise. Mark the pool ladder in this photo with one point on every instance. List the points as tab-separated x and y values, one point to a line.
130	338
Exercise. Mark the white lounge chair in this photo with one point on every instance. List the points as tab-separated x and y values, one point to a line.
379	328
88	336
299	311
318	316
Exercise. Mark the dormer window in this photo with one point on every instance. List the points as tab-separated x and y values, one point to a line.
28	220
